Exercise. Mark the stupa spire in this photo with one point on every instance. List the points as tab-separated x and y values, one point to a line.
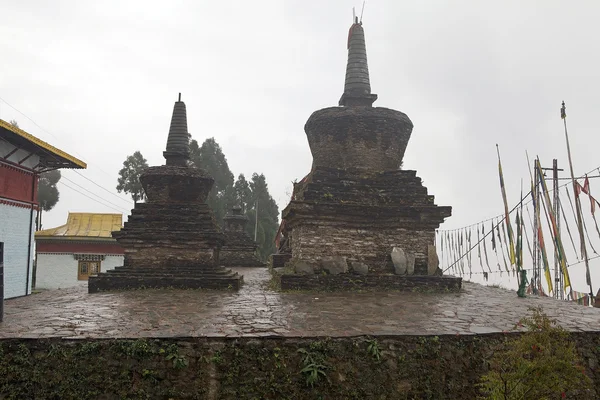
178	142
357	87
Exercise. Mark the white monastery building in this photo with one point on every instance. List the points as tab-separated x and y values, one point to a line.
22	158
69	254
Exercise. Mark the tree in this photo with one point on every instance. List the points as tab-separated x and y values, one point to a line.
268	216
129	176
210	158
242	193
225	194
48	194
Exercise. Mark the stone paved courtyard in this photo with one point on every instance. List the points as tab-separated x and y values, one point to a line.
257	311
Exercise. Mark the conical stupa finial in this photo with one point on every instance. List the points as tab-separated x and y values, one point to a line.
357	88
178	142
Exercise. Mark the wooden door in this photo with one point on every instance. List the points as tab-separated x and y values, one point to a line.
87	268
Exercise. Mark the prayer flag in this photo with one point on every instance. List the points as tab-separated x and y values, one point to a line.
487	262
556	234
511	246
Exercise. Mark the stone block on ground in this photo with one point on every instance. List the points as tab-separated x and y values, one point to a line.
335	265
410	263
359	268
433	261
400	261
304	267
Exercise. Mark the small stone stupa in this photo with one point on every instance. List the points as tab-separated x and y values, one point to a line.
171	240
357	219
239	249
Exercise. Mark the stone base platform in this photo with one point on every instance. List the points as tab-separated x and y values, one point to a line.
279	260
257	311
362	216
346	282
179	277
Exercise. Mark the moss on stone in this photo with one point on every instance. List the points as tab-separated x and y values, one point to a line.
406	367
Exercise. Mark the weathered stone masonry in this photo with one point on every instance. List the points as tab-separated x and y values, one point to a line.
172	240
356	204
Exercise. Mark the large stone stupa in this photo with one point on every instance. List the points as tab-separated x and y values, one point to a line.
357	219
171	240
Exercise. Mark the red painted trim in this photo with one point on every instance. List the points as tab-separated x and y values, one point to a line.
18	184
19	204
74	247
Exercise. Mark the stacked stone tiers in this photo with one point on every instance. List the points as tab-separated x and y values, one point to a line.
172	240
176	275
156	234
239	251
362	215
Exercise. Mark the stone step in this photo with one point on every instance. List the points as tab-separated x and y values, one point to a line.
208	274
105	282
170	275
171	220
176	268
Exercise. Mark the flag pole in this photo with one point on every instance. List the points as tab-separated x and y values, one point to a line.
588	278
256	221
511	243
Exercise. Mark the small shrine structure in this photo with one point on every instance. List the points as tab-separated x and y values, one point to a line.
68	254
357	218
239	249
171	240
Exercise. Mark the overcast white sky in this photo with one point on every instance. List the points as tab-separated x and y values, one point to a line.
100	78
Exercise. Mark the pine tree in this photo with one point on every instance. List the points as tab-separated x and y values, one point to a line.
210	158
243	193
268	216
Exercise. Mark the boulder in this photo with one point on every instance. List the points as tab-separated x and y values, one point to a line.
335	265
433	261
400	261
359	268
304	267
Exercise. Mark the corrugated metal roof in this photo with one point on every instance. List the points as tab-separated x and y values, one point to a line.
87	225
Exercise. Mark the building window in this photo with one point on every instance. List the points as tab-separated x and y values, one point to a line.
87	268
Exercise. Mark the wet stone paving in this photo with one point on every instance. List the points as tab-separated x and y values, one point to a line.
258	311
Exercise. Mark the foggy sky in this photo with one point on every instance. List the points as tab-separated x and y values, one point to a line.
100	78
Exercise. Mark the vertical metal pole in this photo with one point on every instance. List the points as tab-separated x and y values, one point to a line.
256	221
557	275
538	260
536	239
1	281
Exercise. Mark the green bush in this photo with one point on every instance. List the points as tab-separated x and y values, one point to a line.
541	364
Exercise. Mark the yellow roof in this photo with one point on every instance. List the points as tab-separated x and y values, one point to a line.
86	225
58	158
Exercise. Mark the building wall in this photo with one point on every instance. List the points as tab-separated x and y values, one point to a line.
59	270
15	232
